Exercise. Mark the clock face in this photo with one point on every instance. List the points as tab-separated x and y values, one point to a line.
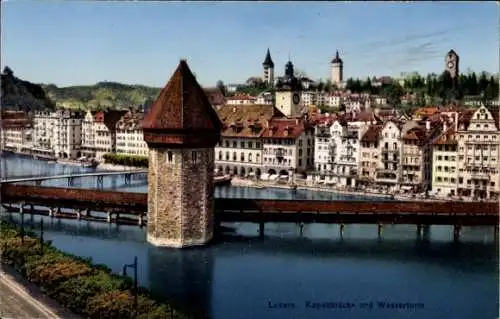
296	98
450	64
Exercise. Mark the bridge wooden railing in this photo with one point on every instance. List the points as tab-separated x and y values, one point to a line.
88	198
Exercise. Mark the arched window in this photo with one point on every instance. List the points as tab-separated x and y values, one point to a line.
220	155
249	157
234	156
242	156
227	156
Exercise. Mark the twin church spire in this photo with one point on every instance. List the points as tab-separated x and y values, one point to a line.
336	77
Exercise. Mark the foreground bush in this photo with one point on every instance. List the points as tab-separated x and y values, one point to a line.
126	160
86	289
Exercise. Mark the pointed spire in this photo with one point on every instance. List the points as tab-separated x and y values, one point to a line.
337	58
182	105
268	62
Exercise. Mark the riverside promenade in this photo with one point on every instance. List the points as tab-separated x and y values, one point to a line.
21	299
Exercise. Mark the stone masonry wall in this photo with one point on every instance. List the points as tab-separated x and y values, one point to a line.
164	198
180	191
198	191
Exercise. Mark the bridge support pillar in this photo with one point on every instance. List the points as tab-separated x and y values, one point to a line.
108	218
261	229
341	230
456	232
379	229
51	212
140	220
117	217
301	228
78	214
419	230
100	182
32	209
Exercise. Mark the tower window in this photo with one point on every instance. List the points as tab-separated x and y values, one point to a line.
194	156
170	157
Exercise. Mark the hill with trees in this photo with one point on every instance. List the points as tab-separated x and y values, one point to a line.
102	95
20	95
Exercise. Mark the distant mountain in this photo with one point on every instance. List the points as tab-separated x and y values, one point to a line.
102	95
20	95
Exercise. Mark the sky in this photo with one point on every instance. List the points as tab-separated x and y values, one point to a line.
85	42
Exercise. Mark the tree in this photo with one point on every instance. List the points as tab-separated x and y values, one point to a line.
8	71
220	85
393	92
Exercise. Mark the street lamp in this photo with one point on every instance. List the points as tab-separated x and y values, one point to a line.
134	266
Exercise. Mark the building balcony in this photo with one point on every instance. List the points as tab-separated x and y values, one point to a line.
323	135
390	160
479	142
389	150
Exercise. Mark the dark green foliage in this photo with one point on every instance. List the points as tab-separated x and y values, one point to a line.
92	291
19	95
126	160
441	89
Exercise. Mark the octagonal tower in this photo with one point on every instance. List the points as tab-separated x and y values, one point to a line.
181	130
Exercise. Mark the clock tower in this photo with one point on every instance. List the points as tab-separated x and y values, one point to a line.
451	66
288	93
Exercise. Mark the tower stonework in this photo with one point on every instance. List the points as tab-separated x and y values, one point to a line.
268	66
288	93
337	75
181	130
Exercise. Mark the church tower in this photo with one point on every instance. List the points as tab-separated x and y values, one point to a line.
337	75
268	66
288	93
181	130
451	66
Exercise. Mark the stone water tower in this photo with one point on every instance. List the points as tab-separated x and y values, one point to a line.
181	130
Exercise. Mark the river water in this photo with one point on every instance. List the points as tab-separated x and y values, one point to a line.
288	275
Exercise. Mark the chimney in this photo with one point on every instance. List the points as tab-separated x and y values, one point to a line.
428	125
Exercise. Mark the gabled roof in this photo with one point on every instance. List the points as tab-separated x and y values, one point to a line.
372	135
182	106
248	120
109	118
447	138
280	128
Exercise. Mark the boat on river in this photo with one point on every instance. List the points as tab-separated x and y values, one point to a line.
222	180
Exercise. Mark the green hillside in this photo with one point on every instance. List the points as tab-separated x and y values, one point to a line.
101	95
20	95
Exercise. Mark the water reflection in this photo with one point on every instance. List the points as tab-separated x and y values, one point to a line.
238	277
183	277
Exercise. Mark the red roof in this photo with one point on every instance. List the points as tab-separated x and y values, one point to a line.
372	134
446	138
284	128
182	113
182	105
109	118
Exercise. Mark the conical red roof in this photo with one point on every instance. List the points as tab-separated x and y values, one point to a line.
181	108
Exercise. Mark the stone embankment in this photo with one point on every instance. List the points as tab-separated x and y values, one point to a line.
301	185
